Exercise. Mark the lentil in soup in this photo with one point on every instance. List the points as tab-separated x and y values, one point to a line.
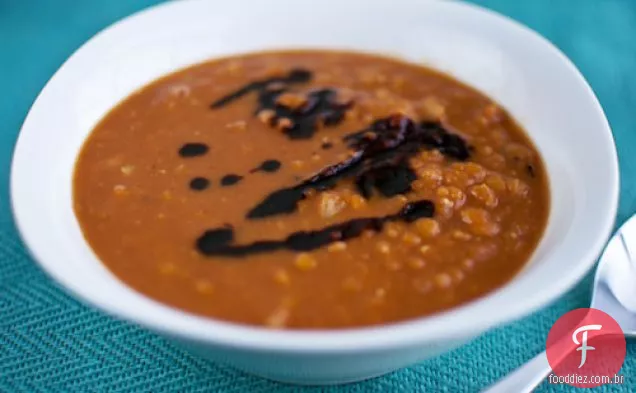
311	189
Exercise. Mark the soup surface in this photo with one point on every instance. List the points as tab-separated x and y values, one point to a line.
311	189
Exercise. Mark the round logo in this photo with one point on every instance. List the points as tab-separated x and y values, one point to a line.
586	348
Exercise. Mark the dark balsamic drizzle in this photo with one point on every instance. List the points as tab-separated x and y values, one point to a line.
379	161
295	76
193	150
219	236
321	107
217	242
268	166
230	180
199	183
435	136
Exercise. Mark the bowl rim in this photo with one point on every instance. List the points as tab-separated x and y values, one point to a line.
381	337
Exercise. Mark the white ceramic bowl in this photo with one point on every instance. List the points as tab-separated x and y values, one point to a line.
515	66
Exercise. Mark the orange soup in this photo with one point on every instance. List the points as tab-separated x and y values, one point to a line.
311	189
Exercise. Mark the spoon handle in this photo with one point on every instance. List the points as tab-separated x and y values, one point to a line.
525	378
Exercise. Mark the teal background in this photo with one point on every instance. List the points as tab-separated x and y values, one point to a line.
51	343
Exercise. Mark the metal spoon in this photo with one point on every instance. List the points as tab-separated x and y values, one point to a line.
614	293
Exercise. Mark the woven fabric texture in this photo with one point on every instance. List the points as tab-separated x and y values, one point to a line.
51	343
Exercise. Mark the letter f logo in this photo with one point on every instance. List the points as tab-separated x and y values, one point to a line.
584	347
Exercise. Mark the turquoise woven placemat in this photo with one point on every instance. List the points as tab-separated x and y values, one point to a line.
51	343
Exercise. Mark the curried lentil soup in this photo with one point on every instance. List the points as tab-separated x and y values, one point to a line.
311	189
